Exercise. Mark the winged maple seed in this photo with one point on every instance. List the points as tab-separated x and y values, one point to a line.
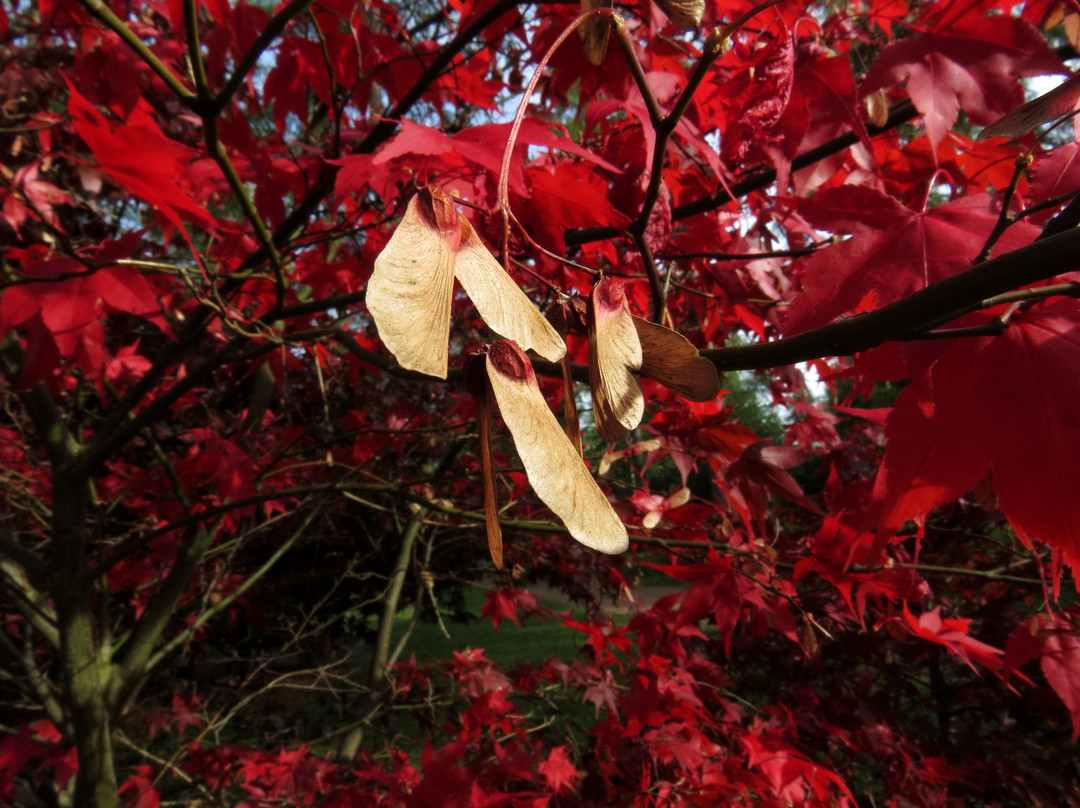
551	463
622	347
594	33
565	316
686	14
411	288
1058	103
672	360
614	359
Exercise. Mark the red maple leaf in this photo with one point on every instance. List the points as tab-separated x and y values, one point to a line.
444	781
717	588
893	250
790	774
476	673
761	471
600	637
824	104
499	605
1056	173
186	712
70	309
140	158
1006	404
504	604
15	752
573	195
766	99
973	62
558	770
603	692
231	468
127	366
476	146
142	783
953	634
40	194
1061	666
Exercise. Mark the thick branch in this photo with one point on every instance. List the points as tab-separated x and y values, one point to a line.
28	600
945	300
249	581
85	667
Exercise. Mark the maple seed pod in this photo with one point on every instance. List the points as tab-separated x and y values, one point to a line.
595	32
877	108
1058	103
672	360
614	358
410	291
571	423
552	465
570	316
506	309
476	382
686	14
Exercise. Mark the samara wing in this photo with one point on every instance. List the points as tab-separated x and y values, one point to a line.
506	309
614	360
410	290
553	467
671	359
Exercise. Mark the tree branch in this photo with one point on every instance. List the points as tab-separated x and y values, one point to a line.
140	645
945	300
763	178
248	61
118	27
254	577
28	601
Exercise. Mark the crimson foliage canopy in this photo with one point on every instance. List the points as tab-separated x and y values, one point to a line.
249	418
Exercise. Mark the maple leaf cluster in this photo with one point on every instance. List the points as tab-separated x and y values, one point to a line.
806	379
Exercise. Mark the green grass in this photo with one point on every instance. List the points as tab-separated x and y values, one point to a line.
288	714
534	640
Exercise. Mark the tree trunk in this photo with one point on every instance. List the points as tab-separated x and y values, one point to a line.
86	666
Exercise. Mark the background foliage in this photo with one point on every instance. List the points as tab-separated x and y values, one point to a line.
226	510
